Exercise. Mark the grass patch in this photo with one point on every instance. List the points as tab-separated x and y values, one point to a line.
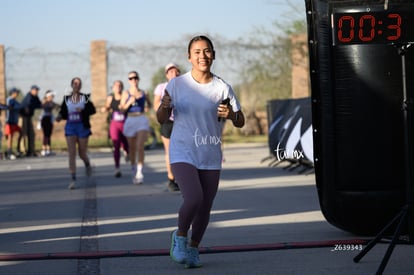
96	142
245	139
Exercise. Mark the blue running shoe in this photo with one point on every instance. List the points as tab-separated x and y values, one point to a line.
178	250
193	259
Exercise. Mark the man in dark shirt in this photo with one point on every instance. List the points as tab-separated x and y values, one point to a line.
30	102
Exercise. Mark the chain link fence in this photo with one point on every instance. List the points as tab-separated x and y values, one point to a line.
54	70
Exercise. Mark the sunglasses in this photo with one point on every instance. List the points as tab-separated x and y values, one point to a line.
134	77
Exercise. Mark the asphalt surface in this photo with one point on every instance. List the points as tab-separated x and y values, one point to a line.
265	220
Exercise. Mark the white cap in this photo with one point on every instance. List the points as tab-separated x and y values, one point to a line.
50	93
170	66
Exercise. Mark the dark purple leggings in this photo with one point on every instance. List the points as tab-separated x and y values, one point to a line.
118	140
198	188
47	128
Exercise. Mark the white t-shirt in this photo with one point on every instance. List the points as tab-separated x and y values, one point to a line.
74	106
196	135
160	91
75	116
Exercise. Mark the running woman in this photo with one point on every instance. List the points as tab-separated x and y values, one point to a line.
171	71
136	128
116	125
76	109
195	146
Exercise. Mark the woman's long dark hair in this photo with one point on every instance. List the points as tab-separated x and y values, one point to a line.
201	38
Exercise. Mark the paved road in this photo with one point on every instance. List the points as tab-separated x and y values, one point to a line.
266	220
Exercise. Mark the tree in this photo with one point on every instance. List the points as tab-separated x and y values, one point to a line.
157	78
268	75
267	70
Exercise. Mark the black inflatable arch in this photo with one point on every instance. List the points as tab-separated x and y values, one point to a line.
357	120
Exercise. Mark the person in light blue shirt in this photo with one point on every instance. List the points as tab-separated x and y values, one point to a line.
201	102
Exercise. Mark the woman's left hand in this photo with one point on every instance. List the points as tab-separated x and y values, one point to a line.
223	110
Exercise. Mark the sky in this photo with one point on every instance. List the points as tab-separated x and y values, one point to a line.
57	25
47	42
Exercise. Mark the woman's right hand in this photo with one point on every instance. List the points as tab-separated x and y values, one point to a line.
166	100
130	101
164	111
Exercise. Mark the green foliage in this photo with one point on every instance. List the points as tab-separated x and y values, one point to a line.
157	78
268	76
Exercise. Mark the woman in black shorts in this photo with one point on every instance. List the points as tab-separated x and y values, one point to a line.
171	71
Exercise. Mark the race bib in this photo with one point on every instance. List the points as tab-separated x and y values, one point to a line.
118	116
75	117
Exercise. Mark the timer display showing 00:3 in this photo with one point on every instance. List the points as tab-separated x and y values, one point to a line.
372	27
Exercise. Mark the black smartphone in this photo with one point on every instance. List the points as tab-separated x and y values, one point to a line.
224	102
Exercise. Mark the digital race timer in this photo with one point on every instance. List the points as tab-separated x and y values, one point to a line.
367	26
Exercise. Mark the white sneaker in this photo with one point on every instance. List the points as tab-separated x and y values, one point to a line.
72	185
43	153
138	179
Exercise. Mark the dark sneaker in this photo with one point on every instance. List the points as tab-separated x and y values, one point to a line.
173	186
88	170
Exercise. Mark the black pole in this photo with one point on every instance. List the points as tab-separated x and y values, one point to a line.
405	214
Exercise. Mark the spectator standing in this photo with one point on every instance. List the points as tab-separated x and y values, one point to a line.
12	120
46	121
171	71
3	106
30	102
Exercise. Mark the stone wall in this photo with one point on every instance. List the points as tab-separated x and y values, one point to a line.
99	88
3	92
